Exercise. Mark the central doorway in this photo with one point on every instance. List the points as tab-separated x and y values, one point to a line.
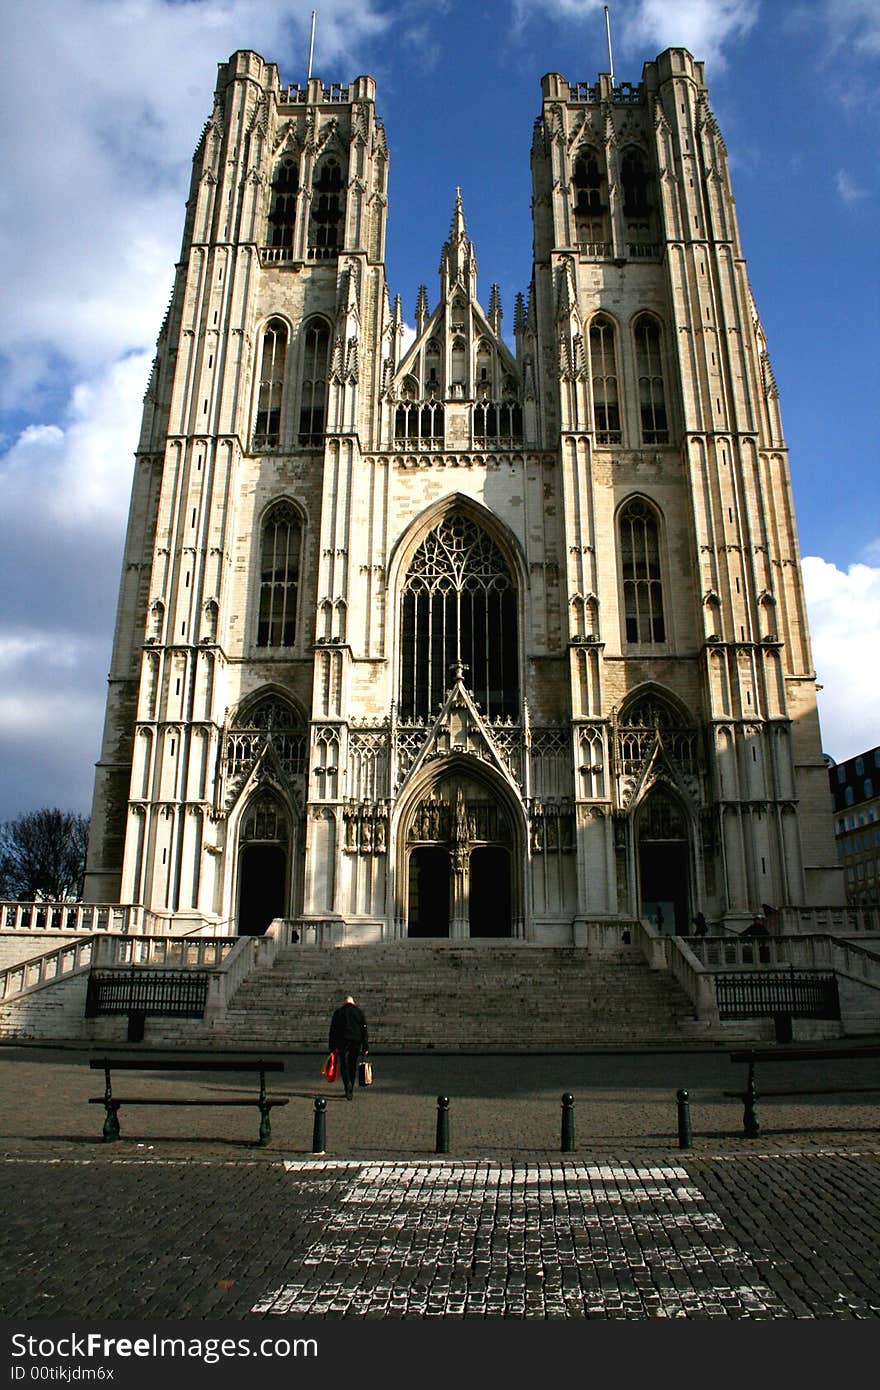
459	845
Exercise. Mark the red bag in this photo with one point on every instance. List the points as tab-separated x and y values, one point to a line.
330	1068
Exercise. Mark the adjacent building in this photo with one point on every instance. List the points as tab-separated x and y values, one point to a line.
467	634
855	790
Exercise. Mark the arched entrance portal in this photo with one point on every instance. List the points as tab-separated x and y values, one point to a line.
664	863
263	866
460	854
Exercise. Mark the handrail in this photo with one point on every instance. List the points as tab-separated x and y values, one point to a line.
116	952
73	958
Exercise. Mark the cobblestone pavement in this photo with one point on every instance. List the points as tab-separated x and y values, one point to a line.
186	1218
764	1236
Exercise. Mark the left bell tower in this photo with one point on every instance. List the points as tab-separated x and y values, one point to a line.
263	364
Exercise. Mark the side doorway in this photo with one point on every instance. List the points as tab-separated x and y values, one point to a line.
263	865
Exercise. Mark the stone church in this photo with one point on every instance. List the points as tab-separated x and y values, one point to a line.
456	637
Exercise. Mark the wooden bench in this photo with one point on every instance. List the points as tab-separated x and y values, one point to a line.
112	1103
752	1056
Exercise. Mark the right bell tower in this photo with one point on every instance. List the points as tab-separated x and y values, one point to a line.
699	776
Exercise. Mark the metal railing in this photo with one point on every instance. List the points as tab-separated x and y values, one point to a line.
165	993
762	995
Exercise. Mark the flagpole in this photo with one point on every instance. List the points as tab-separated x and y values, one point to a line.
608	35
312	44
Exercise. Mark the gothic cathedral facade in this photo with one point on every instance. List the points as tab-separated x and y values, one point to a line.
441	637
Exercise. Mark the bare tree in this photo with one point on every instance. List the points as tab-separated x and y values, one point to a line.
43	856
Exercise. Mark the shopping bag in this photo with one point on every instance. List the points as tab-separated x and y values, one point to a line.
330	1068
365	1073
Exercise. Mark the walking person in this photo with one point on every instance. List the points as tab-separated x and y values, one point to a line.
348	1037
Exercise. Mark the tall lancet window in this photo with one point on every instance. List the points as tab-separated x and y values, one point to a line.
639	536
270	393
313	379
652	397
459	613
328	210
603	363
285	187
279	576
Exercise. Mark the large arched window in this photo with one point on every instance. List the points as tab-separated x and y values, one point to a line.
606	407
639	536
282	215
270	392
326	225
279	576
459	612
313	388
652	396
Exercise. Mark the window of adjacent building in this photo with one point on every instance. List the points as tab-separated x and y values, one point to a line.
282	213
869	788
639	536
860	767
270	392
326	224
848	796
313	388
459	612
603	365
649	367
279	576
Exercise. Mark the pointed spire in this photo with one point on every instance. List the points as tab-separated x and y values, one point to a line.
458	261
421	309
519	315
495	310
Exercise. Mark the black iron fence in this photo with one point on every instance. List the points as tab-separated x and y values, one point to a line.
798	994
172	993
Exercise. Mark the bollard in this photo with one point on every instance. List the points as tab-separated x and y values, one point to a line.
684	1119
319	1129
751	1128
442	1144
568	1123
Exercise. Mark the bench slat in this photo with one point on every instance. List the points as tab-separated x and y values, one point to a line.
805	1054
175	1064
178	1100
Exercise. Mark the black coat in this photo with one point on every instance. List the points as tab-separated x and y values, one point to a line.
347	1028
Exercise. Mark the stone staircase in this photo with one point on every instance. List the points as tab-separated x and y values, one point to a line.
470	996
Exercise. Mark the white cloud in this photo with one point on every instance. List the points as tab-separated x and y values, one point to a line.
844	610
854	24
706	27
848	190
95	176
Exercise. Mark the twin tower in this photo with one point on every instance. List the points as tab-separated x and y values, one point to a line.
455	636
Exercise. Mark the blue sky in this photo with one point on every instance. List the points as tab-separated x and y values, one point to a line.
105	100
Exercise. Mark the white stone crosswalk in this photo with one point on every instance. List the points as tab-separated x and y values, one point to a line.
449	1238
